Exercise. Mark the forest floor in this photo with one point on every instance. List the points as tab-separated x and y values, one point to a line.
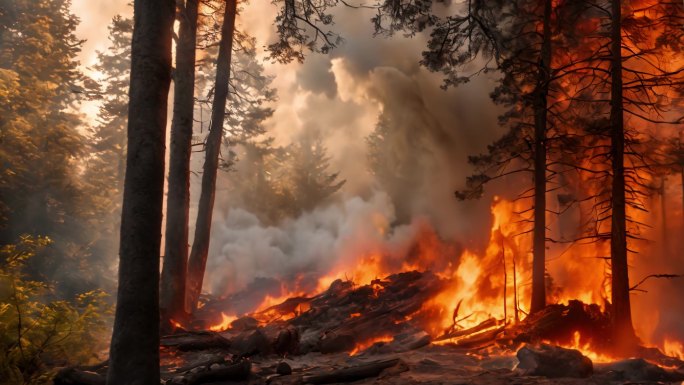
432	364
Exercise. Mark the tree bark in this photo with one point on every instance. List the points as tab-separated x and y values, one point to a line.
200	246
621	311
540	121
172	295
134	349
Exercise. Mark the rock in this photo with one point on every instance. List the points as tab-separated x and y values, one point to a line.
638	369
287	341
284	368
554	362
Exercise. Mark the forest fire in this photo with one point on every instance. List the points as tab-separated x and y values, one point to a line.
475	295
223	191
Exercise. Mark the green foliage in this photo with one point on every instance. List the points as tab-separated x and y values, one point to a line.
42	189
396	155
276	183
38	332
310	181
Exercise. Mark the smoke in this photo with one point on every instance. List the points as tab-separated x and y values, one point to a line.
340	98
300	251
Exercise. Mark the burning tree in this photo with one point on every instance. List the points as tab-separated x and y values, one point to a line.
638	82
519	38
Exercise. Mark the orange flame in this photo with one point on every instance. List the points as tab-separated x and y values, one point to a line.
368	343
673	348
226	320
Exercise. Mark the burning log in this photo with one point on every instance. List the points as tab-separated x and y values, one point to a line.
489	323
559	323
480	339
354	373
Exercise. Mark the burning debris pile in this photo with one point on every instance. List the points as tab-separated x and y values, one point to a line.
382	332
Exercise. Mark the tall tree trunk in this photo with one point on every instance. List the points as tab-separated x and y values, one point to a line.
172	296
200	245
134	350
621	310
664	239
540	121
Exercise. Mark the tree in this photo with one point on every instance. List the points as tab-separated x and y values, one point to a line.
631	66
621	311
134	349
310	181
395	158
172	296
518	37
41	141
200	246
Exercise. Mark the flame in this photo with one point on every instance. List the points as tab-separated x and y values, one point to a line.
673	348
368	343
226	320
586	349
176	325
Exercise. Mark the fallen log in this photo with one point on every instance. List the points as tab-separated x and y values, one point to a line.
75	376
354	373
476	340
195	341
235	372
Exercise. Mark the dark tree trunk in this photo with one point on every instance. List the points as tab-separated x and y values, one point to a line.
621	311
200	245
540	121
664	239
172	296
134	350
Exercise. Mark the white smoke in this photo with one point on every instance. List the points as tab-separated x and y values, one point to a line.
244	249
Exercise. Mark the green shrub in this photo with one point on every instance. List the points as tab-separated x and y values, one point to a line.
39	332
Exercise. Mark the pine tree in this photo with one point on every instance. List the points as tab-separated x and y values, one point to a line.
172	295
40	141
200	245
310	181
134	349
